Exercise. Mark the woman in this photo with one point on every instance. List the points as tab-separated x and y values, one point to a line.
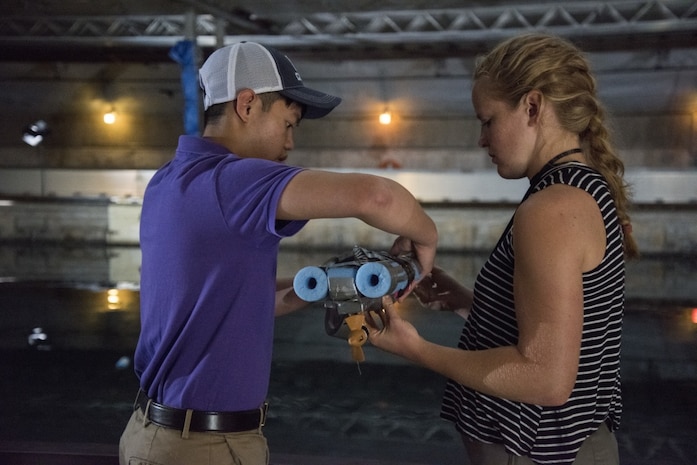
535	378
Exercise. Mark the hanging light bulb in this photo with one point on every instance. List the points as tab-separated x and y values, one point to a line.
385	117
113	300
110	117
34	133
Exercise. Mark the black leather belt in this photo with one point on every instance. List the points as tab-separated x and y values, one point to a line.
221	422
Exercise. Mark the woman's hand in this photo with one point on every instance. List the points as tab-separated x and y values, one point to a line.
395	334
440	291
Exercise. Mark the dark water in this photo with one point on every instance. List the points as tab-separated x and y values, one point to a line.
77	384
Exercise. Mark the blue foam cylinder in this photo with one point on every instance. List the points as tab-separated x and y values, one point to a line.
311	284
376	279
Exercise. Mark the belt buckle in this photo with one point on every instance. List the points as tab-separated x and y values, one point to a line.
264	411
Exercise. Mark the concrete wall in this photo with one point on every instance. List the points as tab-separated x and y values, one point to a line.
471	209
659	229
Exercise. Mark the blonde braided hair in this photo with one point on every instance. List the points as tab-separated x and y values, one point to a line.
560	71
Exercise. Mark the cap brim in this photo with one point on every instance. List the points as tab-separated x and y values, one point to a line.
317	104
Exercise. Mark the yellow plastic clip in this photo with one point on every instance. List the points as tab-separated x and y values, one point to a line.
358	335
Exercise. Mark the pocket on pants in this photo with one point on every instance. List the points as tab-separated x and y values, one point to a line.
248	448
137	461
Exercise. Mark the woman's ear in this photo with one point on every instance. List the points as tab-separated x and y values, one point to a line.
533	105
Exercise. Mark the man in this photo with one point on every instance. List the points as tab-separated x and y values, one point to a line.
211	224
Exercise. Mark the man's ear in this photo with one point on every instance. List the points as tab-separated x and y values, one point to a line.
243	103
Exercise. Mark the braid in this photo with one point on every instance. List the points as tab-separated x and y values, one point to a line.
558	69
601	156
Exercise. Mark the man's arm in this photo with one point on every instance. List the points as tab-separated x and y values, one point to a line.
379	202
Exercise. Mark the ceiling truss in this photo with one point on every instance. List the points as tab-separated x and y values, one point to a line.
611	24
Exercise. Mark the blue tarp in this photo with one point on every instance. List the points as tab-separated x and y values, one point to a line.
184	53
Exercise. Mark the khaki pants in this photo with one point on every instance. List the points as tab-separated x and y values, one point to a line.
600	448
144	443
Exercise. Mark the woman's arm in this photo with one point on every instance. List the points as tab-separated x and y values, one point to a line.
286	299
558	234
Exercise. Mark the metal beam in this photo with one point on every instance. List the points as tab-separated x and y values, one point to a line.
608	25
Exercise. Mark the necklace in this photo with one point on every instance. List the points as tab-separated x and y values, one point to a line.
550	164
564	154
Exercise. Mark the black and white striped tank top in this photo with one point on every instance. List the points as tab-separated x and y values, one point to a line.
548	434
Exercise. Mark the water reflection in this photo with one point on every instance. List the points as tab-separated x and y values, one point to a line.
69	320
72	318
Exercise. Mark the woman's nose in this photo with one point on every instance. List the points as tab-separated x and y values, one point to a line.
482	142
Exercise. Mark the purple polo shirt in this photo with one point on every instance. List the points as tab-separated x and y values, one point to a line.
209	240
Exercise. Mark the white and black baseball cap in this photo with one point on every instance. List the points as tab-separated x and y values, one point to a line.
248	65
